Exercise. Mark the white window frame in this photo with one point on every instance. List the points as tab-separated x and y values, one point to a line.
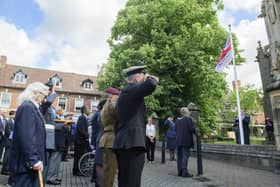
9	96
19	78
88	85
77	104
56	80
58	102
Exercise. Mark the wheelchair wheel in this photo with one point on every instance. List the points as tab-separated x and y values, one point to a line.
86	164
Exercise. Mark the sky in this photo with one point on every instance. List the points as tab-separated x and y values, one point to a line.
71	35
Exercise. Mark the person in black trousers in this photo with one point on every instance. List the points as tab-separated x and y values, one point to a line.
81	143
130	128
185	129
150	141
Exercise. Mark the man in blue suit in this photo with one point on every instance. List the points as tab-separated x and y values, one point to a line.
185	129
28	151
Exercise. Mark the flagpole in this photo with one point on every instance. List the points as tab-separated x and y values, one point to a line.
237	93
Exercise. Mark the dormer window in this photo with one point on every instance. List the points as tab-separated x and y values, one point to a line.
19	77
56	80
87	84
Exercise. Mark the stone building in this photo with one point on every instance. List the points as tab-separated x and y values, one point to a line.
73	90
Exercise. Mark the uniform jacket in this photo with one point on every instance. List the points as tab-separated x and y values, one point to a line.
81	135
185	129
131	114
29	139
108	120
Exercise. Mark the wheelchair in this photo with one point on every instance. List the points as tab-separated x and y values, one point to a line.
86	163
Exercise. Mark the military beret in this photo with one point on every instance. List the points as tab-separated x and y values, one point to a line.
133	70
112	91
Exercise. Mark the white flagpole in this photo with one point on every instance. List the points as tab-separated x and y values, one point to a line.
237	93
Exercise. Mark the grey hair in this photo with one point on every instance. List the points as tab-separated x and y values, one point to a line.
32	92
184	111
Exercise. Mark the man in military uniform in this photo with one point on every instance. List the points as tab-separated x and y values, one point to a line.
130	128
108	120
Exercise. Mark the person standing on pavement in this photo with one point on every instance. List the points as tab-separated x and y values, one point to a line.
185	129
53	155
130	128
7	141
269	130
81	143
171	137
96	135
2	133
150	140
108	120
28	150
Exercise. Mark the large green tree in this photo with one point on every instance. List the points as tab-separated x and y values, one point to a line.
250	101
179	41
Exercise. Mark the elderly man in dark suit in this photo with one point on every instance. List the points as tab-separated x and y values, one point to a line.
130	128
28	150
185	129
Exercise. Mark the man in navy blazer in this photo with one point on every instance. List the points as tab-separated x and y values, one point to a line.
28	151
185	129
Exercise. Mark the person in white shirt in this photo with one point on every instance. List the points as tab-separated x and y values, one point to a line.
150	140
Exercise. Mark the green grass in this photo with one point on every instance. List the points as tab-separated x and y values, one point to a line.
253	141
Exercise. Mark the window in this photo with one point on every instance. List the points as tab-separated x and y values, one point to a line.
88	86
19	77
56	81
94	104
79	102
62	103
5	99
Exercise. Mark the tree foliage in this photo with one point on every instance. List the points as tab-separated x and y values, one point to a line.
179	41
250	101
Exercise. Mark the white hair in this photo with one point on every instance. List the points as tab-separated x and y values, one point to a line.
184	111
32	92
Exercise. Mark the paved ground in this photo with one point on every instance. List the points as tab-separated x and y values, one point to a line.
216	174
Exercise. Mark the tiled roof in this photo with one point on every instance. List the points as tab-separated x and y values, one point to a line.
71	82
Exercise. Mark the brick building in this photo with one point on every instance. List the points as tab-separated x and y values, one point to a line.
73	90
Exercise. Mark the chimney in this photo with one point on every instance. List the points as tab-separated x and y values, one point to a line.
3	61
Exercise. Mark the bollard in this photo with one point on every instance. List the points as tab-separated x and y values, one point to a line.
198	152
194	113
163	151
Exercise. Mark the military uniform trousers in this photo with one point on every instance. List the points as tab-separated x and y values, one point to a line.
110	166
130	164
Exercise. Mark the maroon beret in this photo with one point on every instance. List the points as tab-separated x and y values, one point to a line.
112	91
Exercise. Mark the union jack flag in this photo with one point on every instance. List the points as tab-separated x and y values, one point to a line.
226	56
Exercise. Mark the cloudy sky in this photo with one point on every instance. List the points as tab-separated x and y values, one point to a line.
70	35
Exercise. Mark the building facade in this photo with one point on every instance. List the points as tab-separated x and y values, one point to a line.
73	90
